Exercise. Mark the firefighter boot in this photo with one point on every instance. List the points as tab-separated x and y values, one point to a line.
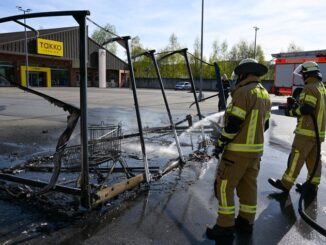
309	192
243	225
299	187
307	187
277	184
218	231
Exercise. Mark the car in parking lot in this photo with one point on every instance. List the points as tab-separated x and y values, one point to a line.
182	86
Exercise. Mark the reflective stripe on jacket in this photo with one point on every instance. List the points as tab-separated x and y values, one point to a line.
313	94
251	103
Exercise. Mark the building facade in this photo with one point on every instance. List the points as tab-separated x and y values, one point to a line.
53	60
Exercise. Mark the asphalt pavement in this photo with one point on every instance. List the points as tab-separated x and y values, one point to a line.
173	210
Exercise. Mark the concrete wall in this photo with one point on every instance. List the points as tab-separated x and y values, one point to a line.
169	83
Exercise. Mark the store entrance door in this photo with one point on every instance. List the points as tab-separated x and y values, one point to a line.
37	79
38	76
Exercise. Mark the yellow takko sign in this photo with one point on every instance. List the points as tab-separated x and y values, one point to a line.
49	47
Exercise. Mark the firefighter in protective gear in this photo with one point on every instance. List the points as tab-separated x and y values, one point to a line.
312	101
241	141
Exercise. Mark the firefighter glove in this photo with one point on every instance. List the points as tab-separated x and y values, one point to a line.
290	101
218	148
217	151
292	105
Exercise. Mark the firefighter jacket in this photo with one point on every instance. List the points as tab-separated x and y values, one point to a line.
313	97
250	108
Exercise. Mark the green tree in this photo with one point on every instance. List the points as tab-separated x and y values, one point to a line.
220	55
224	50
136	46
214	57
194	60
142	65
220	51
242	50
173	42
260	57
100	36
173	66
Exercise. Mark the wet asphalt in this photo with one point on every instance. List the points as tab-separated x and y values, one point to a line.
173	210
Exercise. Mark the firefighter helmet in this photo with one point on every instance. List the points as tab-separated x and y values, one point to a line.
306	69
250	66
310	66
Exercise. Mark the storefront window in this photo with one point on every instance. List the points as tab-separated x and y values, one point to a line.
7	71
89	79
60	77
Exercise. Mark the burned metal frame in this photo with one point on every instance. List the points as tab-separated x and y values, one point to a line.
61	144
184	52
40	184
84	191
220	85
28	27
151	55
87	196
124	41
92	197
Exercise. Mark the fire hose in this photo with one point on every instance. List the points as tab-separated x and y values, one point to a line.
307	187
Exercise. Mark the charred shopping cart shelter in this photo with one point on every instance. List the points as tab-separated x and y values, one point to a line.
93	152
177	208
181	205
99	143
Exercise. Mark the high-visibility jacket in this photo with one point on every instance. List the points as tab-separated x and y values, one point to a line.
314	95
251	104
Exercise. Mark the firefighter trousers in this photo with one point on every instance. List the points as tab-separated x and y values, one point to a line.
303	150
240	173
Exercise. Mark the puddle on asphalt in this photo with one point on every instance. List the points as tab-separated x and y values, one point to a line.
57	211
58	215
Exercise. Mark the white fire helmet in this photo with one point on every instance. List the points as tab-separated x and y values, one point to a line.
306	68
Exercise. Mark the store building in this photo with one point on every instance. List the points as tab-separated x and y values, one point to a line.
53	59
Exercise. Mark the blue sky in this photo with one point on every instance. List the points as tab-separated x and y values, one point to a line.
280	21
